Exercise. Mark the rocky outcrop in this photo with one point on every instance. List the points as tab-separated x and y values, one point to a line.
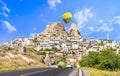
54	31
47	59
74	32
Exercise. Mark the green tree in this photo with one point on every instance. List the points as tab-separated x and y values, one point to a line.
54	49
63	59
106	59
91	60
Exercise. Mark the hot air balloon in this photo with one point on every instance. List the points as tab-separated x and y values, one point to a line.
67	16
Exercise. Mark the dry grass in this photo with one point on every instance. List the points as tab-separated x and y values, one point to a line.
18	63
96	72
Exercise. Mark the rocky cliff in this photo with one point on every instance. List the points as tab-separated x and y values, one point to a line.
74	32
56	31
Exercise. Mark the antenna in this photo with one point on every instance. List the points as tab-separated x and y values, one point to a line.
107	35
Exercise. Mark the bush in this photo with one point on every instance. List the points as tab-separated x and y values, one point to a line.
41	53
63	59
61	66
8	48
56	62
47	49
106	59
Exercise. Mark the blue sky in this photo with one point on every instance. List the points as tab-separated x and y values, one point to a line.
24	18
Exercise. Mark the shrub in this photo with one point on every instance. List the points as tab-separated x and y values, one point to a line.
56	62
41	53
63	59
8	48
47	49
61	66
106	59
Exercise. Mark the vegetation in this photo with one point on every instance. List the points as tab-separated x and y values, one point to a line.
47	49
13	67
8	48
19	63
41	53
61	66
35	40
63	59
101	44
56	62
96	72
104	60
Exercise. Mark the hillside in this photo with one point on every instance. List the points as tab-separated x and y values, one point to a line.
14	60
60	46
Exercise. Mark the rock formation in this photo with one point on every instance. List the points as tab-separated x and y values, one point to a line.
47	59
53	31
73	31
56	31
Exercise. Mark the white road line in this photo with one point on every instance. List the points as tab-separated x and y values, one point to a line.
80	72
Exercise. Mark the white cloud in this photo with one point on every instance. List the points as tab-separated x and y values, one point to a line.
9	27
33	34
4	9
82	16
2	2
87	33
116	20
104	28
91	28
4	14
101	21
52	3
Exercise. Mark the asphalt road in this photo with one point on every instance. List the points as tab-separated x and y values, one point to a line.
39	72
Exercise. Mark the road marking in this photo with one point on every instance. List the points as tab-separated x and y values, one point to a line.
35	72
80	72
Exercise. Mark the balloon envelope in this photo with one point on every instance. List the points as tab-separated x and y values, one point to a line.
67	16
